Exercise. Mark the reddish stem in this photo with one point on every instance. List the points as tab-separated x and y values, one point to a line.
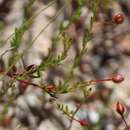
122	116
29	83
100	80
72	118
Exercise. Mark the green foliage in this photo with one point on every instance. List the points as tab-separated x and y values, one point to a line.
19	31
65	109
81	2
52	60
18	36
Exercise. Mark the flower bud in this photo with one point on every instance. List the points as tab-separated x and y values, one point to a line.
128	128
117	78
83	122
51	88
23	86
120	108
6	121
119	18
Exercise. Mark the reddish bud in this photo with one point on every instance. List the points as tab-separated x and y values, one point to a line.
23	86
51	88
119	18
74	4
117	78
6	121
79	24
128	128
120	108
83	122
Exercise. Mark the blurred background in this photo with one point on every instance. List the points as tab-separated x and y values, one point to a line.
107	54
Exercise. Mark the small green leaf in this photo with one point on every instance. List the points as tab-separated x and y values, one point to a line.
87	37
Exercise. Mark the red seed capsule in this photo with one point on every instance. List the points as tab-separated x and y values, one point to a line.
83	122
117	78
51	88
23	86
6	121
119	18
120	108
128	128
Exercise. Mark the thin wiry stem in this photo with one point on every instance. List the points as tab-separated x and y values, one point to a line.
77	109
31	18
42	30
122	116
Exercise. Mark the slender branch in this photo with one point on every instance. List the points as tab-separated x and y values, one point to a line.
77	109
122	116
100	80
